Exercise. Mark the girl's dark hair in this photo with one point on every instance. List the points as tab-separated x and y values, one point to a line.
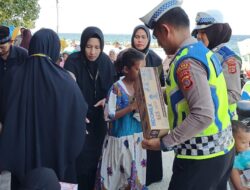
243	125
118	64
127	58
130	56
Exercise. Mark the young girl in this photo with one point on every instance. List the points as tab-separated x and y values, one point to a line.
123	162
241	132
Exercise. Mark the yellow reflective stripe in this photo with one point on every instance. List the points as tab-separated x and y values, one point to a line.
246	87
233	112
232	107
205	156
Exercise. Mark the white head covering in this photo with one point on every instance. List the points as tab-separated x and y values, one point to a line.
154	15
208	18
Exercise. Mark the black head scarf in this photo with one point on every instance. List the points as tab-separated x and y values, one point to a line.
40	179
39	45
82	68
218	34
44	113
91	32
148	35
152	59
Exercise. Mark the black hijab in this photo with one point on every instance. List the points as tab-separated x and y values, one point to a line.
91	32
152	59
143	27
218	34
77	63
44	117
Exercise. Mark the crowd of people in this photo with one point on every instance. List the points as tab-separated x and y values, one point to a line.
74	118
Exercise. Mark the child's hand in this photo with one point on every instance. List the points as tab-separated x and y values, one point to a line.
133	106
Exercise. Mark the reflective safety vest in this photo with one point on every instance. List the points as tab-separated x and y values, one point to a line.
224	54
217	138
245	94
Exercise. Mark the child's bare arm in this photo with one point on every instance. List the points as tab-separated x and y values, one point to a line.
236	181
124	111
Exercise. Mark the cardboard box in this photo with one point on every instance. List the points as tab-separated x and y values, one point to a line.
151	104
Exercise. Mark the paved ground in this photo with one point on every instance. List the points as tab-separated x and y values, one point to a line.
167	160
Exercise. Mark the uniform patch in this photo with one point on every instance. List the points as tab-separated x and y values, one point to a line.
184	75
231	63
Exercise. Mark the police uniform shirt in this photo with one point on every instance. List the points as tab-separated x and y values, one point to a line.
231	70
196	91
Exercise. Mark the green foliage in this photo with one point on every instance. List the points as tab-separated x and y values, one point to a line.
19	12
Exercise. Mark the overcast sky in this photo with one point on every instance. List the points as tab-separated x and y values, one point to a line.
121	16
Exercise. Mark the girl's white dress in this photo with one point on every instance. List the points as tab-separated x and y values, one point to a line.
123	161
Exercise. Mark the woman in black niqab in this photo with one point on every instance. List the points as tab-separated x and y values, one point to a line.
44	114
94	74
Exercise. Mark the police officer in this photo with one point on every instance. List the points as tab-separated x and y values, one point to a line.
214	33
201	133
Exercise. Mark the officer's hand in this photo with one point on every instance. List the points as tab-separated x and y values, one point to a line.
151	144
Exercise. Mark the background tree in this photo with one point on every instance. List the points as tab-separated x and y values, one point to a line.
19	12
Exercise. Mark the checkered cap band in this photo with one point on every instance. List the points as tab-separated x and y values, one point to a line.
157	13
205	20
206	145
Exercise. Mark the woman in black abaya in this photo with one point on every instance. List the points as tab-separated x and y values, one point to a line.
141	41
94	74
44	114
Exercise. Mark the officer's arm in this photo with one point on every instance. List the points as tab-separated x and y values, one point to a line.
231	71
192	80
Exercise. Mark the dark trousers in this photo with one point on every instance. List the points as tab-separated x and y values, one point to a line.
154	167
15	183
208	174
86	181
